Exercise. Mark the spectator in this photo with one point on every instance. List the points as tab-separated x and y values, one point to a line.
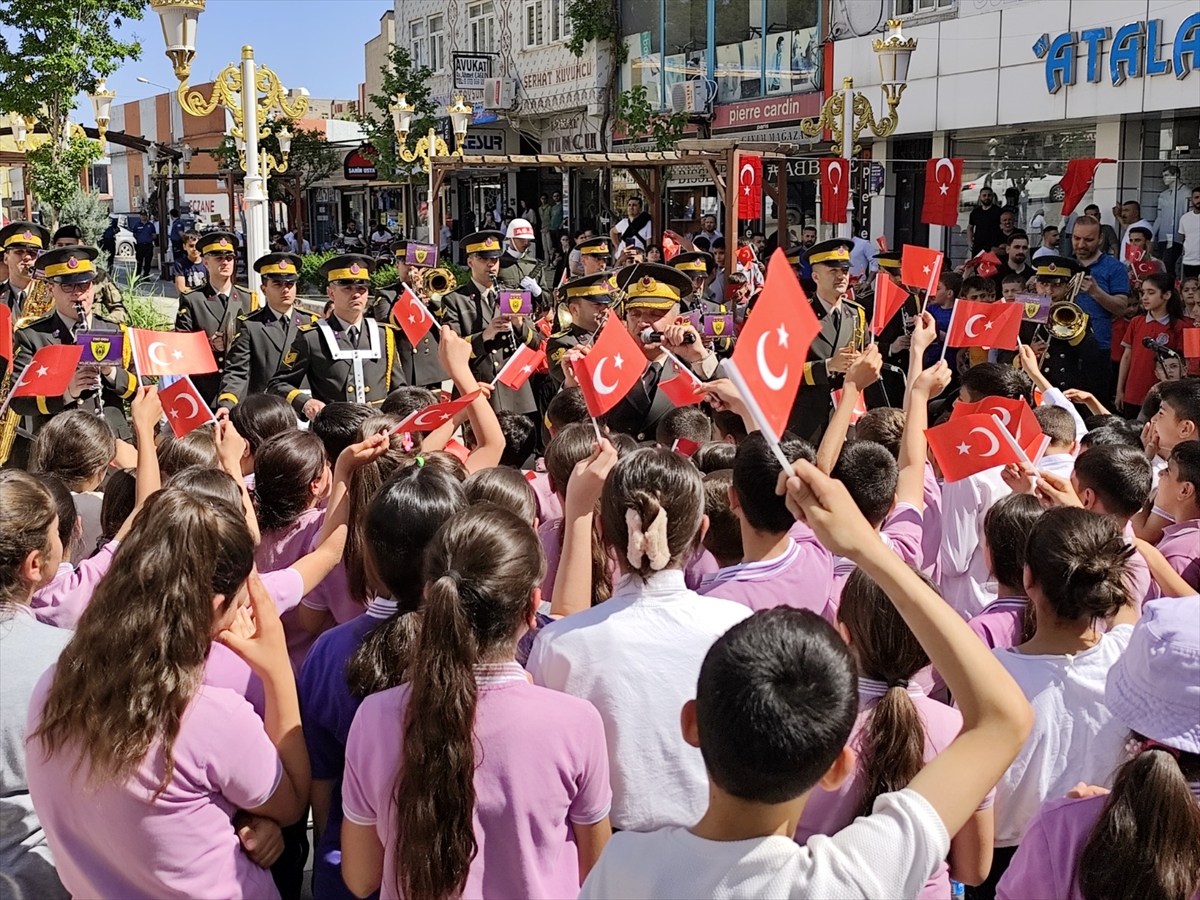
144	235
176	234
983	227
635	227
1049	242
189	269
1129	214
708	228
546	215
1105	290
1110	244
1189	231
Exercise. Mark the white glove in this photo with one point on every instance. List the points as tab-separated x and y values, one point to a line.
528	284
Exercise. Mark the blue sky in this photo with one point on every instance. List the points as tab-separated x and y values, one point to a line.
314	44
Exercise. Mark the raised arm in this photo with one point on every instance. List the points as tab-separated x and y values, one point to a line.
910	484
573	581
863	372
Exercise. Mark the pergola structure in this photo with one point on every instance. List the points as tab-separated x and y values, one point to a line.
720	157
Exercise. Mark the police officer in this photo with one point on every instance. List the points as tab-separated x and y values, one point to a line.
473	312
348	356
595	255
20	242
264	334
1075	359
836	345
100	389
214	307
588	299
419	364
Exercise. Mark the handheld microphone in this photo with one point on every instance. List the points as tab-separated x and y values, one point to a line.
650	336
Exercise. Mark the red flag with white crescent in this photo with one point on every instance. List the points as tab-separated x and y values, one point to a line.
611	369
835	189
434	417
750	187
185	408
976	324
172	352
412	315
943	186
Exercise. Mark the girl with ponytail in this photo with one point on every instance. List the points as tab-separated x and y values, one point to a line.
1075	570
898	730
1142	840
468	781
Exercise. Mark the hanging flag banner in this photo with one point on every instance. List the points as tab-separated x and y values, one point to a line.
750	188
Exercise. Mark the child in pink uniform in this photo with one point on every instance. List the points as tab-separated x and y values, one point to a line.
470	781
1179	495
164	777
897	732
1143	838
1007	620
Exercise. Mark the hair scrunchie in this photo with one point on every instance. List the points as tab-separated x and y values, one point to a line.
650	543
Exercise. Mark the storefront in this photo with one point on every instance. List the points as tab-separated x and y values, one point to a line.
1019	91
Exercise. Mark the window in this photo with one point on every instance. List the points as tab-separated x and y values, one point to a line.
437	43
913	7
535	33
560	23
481	27
417	45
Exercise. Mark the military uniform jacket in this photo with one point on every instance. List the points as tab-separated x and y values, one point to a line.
419	364
638	412
814	403
309	369
557	346
109	401
203	310
468	313
1083	365
514	268
8	296
254	356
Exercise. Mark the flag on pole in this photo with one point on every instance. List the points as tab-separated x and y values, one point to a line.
889	298
976	324
49	372
433	417
521	366
920	267
967	445
1014	415
612	367
412	316
1076	181
860	405
185	408
172	352
683	387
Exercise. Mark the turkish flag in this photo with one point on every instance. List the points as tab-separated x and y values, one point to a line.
975	324
612	367
1014	415
1191	343
750	187
882	242
1144	267
685	447
986	264
860	405
970	444
682	387
432	417
412	315
889	297
1133	253
521	365
185	408
835	189
49	372
670	248
172	352
943	185
771	349
6	336
920	267
1077	180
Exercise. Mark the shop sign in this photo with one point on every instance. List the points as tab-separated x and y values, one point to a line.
471	70
1133	51
360	164
576	70
753	114
805	167
484	140
569	134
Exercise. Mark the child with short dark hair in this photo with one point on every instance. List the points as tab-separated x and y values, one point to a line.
979	289
688	422
567	408
337	426
1179	496
1177	420
257	418
724	536
520	439
1059	426
714	457
1009	619
505	487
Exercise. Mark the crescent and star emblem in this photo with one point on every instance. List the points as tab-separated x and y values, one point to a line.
943	186
770	379
967	327
598	382
195	409
746	185
995	441
152	352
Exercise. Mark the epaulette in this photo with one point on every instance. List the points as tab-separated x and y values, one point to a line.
308	327
560	334
242	317
315	319
181	311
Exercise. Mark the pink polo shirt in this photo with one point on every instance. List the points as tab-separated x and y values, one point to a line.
120	840
999	623
541	765
61	602
799	577
903	531
1180	544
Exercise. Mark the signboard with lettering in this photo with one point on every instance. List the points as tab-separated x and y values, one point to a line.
1136	49
484	140
471	70
752	114
360	164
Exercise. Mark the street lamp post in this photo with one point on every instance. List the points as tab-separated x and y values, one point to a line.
430	145
102	107
237	89
847	113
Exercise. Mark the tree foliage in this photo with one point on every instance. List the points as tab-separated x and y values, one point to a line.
54	170
51	51
593	20
89	212
400	76
640	120
310	160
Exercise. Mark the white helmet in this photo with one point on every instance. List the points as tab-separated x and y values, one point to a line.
520	228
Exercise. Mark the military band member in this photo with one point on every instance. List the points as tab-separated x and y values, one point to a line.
1074	360
214	307
520	269
21	243
348	356
897	334
697	265
71	272
264	334
588	299
419	364
473	312
836	345
595	255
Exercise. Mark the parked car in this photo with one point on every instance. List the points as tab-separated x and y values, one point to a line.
127	223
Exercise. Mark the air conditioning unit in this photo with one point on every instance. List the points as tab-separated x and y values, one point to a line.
498	93
692	97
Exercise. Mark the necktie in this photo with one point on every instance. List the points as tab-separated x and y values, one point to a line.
224	298
352	333
836	315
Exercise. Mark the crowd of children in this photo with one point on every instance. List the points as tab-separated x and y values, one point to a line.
662	670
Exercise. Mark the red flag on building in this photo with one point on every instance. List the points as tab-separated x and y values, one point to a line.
172	352
612	367
412	316
967	445
943	185
6	337
835	189
520	366
975	324
889	297
771	349
185	408
750	187
1077	180
432	417
49	372
920	267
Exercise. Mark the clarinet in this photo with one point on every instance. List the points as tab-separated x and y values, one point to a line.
81	325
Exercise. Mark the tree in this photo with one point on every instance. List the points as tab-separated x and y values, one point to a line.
54	170
400	76
310	160
88	211
61	49
640	120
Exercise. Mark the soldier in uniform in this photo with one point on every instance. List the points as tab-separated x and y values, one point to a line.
419	364
520	269
652	302
588	299
595	255
214	307
346	357
696	265
896	335
1074	361
21	243
473	312
71	272
836	345
264	334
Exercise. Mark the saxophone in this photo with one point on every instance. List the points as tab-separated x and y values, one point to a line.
38	302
